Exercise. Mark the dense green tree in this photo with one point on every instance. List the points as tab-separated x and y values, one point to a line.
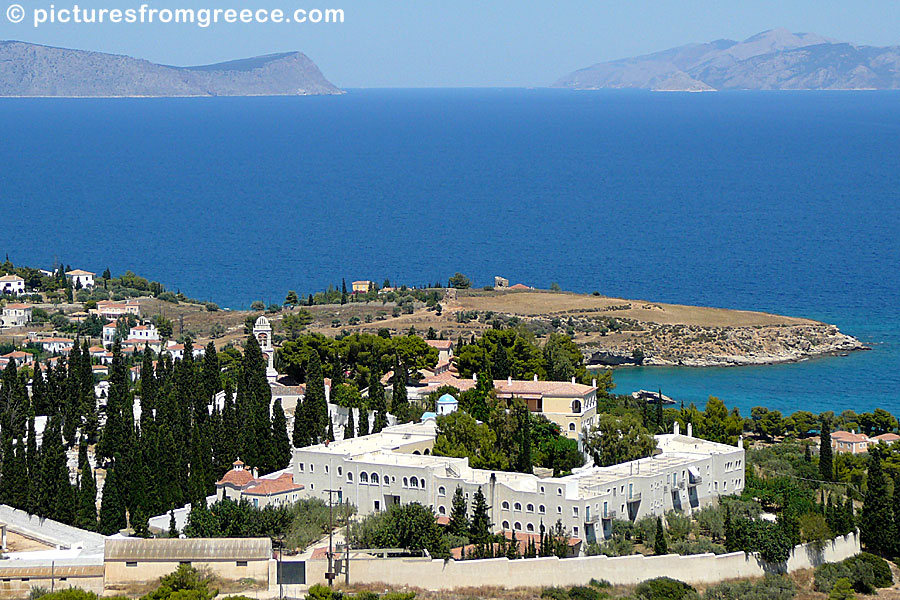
280	443
349	426
112	503
480	525
399	399
618	439
877	514
826	465
459	515
86	511
363	428
377	402
660	546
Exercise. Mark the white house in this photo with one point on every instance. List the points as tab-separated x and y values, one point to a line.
53	345
15	315
143	333
12	284
79	278
447	404
113	310
177	350
109	334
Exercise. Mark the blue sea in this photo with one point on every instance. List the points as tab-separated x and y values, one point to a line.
783	202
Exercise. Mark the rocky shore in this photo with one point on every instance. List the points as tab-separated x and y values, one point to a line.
696	346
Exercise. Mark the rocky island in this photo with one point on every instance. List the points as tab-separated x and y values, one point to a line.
32	70
771	60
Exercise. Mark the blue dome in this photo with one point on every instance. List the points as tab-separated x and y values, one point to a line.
446	399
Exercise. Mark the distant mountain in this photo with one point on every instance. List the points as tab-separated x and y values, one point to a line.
771	60
34	70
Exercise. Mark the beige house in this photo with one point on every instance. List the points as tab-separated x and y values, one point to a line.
131	561
362	287
112	310
571	405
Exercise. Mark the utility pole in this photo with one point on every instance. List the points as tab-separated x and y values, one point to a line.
330	574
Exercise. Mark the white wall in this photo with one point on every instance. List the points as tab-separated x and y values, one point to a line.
544	572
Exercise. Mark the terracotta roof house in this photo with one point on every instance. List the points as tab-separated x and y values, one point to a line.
240	483
846	441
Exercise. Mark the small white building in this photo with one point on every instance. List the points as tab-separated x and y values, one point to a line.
80	278
113	310
447	404
12	284
109	334
240	483
143	333
55	345
15	315
176	350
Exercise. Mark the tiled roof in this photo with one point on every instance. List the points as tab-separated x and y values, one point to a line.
18	306
267	487
236	477
78	272
11	278
847	436
440	344
887	437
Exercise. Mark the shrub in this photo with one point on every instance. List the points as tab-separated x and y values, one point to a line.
772	587
365	595
678	525
580	592
858	572
664	588
70	594
842	590
555	593
701	546
399	596
602	583
880	568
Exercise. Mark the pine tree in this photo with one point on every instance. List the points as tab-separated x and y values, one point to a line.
660	546
501	365
849	517
826	466
173	528
459	515
281	445
875	534
86	511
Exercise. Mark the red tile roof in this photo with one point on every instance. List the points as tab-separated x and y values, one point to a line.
847	436
236	477
267	487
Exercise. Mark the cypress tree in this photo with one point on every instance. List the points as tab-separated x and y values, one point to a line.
253	401
377	402
459	515
363	428
501	365
112	504
280	442
349	427
660	546
523	433
877	515
399	398
173	528
330	435
86	511
210	374
32	463
660	422
849	517
343	291
826	466
229	427
480	525
317	411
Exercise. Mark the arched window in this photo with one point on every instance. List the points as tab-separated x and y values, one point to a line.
349	476
339	471
518	526
413	482
427	452
442	510
571	426
375	478
542	509
405	482
559	491
530	508
505	524
505	505
517	506
559	510
416	452
364	477
442	491
530	527
423	484
576	406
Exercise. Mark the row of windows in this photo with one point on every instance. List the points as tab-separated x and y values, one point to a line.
528	508
529	527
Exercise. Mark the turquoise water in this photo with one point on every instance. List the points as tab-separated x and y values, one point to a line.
784	202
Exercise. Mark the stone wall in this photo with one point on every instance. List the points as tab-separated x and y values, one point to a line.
542	572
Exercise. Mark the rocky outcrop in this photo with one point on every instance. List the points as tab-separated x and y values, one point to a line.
693	346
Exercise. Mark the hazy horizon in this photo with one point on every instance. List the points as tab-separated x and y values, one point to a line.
499	43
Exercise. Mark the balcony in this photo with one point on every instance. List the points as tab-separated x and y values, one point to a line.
609	515
695	480
634	497
590	518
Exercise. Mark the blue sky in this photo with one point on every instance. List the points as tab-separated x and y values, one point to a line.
435	43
